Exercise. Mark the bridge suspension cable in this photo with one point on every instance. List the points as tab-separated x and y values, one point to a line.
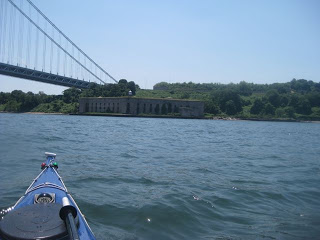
26	34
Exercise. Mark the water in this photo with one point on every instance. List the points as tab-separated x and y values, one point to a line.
140	178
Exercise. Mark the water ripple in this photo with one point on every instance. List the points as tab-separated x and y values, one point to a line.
145	178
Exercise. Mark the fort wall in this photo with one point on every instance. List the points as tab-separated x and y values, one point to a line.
136	106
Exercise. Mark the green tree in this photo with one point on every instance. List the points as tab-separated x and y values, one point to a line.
257	106
290	112
226	95
17	95
303	107
4	97
314	99
57	105
30	102
185	95
273	97
211	107
280	113
245	88
231	108
12	106
71	95
284	101
269	109
123	81
132	86
294	100
301	85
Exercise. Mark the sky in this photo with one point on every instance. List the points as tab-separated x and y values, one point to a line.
203	41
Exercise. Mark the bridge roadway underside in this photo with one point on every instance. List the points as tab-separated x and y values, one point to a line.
26	73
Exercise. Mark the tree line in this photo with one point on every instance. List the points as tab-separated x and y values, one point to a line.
18	101
295	99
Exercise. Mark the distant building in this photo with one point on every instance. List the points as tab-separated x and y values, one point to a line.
136	106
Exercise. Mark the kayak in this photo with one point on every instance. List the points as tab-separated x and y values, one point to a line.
46	210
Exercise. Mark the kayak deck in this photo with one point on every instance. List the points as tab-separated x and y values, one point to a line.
36	214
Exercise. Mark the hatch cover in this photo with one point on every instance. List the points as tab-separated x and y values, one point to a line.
36	221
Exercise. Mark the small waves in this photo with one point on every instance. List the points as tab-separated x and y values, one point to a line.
119	180
172	178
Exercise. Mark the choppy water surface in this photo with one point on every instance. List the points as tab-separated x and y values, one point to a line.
140	178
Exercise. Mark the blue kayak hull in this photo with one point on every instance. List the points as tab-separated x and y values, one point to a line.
48	182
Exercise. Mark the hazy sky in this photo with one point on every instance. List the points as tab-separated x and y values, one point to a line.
260	41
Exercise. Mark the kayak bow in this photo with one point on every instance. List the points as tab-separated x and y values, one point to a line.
46	210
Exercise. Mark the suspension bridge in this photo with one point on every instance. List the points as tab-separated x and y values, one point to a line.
33	48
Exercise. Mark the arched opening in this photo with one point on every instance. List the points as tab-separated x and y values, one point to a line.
144	108
169	108
128	108
164	109
157	109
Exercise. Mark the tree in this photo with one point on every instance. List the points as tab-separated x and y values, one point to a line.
294	100
132	86
123	81
257	106
290	112
273	97
4	97
211	107
71	95
224	96
185	95
30	102
161	86
12	106
301	85
280	112
284	101
303	107
314	99
17	95
269	109
56	105
245	88
231	108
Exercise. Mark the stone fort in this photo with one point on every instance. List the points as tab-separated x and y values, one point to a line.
136	106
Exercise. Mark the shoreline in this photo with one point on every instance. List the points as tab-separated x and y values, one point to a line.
130	115
265	119
37	113
43	113
172	117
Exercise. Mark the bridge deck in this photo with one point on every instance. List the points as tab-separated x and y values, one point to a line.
26	73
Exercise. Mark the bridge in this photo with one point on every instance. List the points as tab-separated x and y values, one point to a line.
33	48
